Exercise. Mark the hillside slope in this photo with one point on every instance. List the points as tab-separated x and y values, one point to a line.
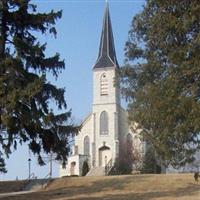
138	187
11	186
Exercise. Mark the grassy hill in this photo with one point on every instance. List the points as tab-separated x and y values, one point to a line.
11	186
135	187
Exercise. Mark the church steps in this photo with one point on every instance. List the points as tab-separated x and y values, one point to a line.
96	171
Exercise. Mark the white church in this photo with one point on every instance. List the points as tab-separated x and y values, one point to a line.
105	133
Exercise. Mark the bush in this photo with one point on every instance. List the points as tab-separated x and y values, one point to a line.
151	164
85	168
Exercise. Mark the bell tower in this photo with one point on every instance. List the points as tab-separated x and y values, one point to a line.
104	71
106	98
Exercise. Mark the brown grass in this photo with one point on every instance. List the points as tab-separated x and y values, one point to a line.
135	187
10	186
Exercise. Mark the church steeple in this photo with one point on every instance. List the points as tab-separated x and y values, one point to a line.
107	55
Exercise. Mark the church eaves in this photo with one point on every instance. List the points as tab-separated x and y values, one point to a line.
107	55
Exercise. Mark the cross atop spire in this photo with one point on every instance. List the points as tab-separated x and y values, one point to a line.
107	55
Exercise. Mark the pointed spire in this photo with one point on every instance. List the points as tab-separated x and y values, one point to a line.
107	55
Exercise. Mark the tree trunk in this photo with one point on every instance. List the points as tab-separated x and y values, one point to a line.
3	9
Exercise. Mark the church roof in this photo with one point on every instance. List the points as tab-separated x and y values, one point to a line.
107	55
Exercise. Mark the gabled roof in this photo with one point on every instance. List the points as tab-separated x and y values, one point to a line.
107	55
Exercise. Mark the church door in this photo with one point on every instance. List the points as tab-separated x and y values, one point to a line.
104	156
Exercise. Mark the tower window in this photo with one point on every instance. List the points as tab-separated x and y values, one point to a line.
103	85
104	123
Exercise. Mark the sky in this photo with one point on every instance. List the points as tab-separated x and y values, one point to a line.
78	37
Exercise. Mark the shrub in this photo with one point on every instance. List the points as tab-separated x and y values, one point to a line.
85	168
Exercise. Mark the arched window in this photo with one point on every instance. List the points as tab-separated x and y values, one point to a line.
72	168
104	123
103	85
86	145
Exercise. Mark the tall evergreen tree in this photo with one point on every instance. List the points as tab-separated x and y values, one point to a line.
161	78
25	93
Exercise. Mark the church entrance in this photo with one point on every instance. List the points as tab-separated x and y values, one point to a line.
104	156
